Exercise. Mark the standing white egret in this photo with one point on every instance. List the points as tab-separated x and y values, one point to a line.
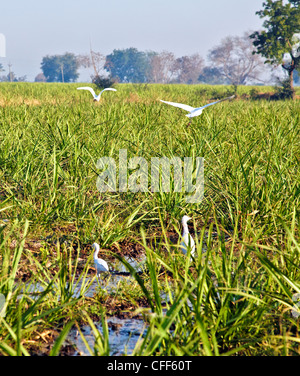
100	264
187	239
96	97
195	111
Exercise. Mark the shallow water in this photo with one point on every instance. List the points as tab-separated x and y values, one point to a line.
124	333
107	281
123	336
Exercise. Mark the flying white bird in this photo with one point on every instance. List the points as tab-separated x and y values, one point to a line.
96	97
194	111
187	239
100	264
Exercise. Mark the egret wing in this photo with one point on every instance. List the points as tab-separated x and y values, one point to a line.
108	88
87	88
211	104
180	105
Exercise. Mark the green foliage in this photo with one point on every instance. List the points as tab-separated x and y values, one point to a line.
284	91
233	298
212	76
282	21
128	65
60	68
103	82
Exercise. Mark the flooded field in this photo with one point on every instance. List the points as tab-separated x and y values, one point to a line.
235	296
124	335
124	330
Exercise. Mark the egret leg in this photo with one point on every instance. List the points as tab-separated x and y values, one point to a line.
98	276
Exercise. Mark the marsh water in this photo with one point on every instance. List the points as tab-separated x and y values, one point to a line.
124	333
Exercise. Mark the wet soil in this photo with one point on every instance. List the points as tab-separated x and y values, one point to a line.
121	313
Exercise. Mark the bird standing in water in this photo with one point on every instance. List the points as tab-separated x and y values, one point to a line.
187	239
100	264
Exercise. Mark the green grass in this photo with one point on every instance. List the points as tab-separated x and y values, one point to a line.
235	299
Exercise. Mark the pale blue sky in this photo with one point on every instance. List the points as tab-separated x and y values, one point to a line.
34	28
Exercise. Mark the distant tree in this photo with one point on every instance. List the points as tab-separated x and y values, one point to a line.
103	81
166	68
21	79
235	60
162	67
4	77
11	77
96	61
189	68
282	22
40	78
212	76
60	68
291	61
128	65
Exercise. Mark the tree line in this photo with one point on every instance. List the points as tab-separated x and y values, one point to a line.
236	60
231	62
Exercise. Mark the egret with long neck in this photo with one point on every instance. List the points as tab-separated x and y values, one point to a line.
100	264
187	239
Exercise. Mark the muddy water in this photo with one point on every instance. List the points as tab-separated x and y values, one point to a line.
107	281
124	335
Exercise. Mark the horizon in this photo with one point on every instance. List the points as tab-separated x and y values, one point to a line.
34	30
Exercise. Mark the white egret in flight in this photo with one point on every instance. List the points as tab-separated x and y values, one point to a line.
195	111
100	264
187	239
96	97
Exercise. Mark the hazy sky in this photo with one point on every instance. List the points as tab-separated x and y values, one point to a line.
34	28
